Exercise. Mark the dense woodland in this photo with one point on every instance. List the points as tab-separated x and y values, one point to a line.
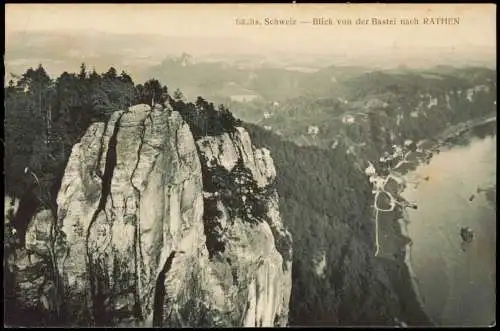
45	117
326	204
324	200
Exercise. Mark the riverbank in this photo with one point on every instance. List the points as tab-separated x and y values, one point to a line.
455	136
396	250
466	126
395	259
460	134
403	223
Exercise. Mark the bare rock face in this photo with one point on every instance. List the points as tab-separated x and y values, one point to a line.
148	234
131	195
245	234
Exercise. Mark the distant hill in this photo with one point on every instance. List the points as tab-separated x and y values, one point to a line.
326	200
326	204
410	104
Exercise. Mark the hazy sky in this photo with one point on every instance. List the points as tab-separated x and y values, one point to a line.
476	28
213	30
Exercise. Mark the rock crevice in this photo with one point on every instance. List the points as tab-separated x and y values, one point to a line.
99	311
132	198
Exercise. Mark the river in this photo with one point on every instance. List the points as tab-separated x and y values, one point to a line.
456	282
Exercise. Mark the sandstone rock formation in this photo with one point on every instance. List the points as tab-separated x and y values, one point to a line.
154	228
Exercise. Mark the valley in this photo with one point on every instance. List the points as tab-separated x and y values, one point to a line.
252	168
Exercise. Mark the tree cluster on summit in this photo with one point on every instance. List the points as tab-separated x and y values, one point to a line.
45	117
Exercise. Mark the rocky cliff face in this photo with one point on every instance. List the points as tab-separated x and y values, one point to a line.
154	228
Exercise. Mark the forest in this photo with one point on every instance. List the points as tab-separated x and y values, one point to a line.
45	117
325	201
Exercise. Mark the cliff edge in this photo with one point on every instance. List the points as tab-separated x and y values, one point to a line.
156	228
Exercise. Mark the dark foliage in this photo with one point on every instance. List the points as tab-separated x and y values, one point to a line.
45	117
239	193
151	92
326	204
203	118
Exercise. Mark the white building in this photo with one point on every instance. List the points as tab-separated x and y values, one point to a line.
313	130
244	97
348	119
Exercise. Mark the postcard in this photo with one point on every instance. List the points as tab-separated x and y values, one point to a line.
250	165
